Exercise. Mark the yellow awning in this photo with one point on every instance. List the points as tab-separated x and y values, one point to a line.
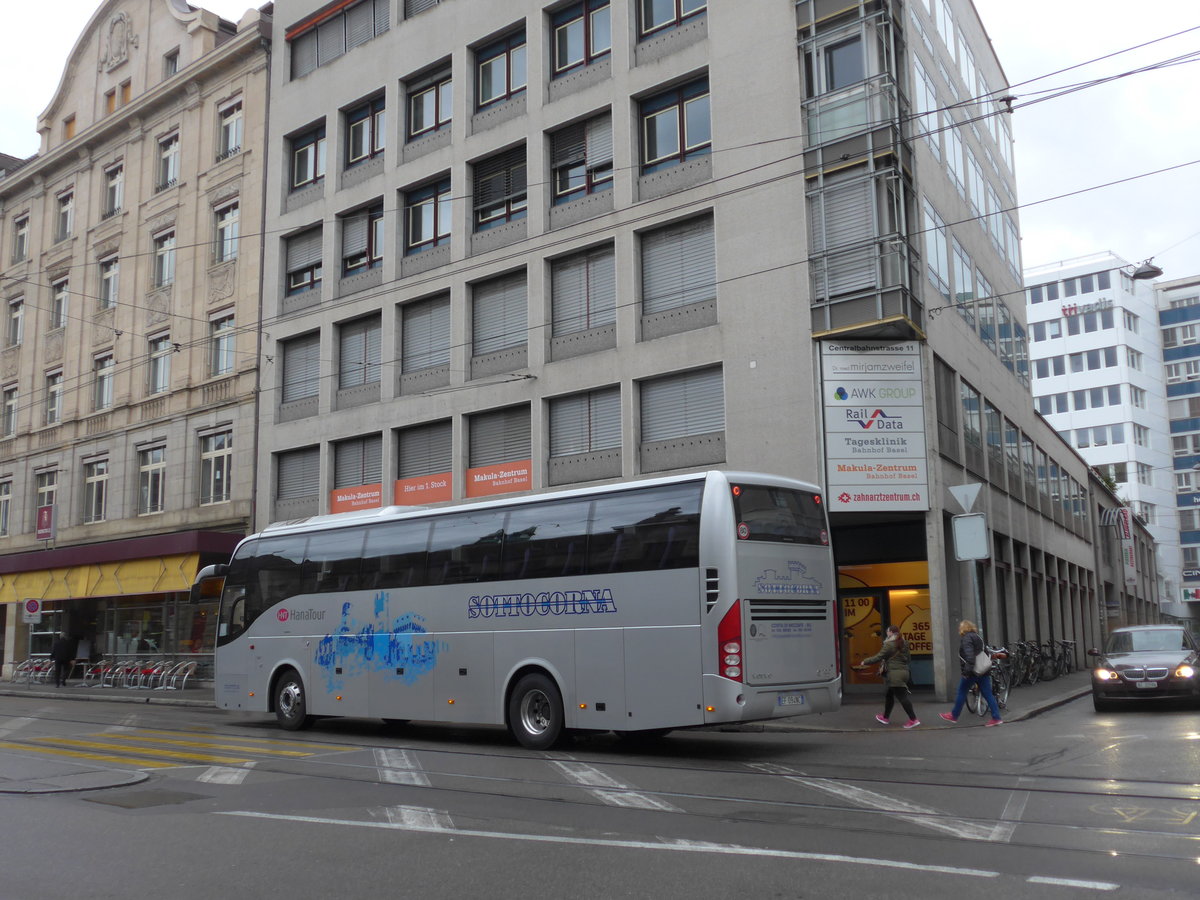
152	575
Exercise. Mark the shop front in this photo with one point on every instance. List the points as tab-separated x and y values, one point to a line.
874	596
115	600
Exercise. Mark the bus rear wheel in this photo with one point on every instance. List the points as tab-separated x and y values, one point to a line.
535	712
291	708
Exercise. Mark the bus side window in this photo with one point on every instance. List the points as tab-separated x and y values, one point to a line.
546	540
465	547
281	571
337	557
394	555
646	530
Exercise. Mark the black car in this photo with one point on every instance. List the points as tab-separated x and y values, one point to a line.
1145	662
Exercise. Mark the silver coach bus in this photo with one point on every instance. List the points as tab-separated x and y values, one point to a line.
659	604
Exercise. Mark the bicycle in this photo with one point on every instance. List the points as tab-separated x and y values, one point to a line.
1001	682
1066	655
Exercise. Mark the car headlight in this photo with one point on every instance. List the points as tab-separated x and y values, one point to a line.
1103	674
1185	672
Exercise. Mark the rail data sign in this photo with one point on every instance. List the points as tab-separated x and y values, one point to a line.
874	411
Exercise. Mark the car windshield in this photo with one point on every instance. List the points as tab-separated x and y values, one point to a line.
1136	641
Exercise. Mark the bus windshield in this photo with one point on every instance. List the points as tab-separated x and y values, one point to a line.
779	515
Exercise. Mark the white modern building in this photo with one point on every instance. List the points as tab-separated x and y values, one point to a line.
1096	353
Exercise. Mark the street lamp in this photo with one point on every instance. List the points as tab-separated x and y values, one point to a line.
1146	270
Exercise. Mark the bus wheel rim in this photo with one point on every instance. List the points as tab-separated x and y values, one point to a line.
535	712
289	699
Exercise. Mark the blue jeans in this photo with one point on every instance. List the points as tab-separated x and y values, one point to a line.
985	688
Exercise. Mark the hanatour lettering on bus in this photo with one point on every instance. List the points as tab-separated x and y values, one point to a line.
547	603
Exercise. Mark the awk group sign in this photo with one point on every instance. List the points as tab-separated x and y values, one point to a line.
874	409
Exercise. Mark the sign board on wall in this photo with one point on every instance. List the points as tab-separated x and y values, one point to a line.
874	406
504	478
349	499
423	489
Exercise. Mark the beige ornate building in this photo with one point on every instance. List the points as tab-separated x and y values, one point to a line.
129	272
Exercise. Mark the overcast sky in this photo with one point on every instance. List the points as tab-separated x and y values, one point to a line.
1090	137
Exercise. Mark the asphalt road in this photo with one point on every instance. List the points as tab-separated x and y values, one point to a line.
192	802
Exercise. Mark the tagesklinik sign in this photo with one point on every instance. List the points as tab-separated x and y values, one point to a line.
874	426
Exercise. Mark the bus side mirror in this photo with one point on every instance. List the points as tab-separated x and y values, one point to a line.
208	584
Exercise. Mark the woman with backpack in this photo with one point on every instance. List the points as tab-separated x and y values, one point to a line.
895	656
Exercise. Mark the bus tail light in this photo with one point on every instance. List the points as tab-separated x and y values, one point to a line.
729	644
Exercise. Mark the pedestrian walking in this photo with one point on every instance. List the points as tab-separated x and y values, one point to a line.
63	654
895	658
970	646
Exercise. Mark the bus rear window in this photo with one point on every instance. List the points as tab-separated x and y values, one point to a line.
780	515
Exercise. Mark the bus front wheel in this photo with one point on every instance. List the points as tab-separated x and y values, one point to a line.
291	709
535	712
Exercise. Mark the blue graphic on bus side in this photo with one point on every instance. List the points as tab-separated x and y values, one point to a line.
547	603
401	650
793	582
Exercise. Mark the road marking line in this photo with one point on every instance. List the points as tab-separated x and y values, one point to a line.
729	849
1071	882
925	816
15	725
1011	817
79	754
608	790
145	751
419	818
206	745
400	767
225	774
266	742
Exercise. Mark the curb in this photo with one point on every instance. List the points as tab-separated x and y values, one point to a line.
123	697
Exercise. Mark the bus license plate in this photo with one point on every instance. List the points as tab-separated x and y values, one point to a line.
1147	684
796	699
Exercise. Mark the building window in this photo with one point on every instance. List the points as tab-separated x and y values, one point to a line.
425	342
325	36
358	353
583	292
95	491
358	461
20	247
152	470
5	507
229	139
430	103
501	70
499	314
500	189
428	212
308	157
103	369
54	397
498	437
301	367
582	158
362	240
682	405
676	126
168	163
585	423
46	487
16	321
971	415
365	129
8	414
304	261
164	259
216	466
226	247
59	294
678	266
425	450
110	101
110	278
936	258
159	379
655	15
582	34
221	337
68	128
64	222
170	63
114	191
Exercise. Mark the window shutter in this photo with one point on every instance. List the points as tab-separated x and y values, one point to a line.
844	220
299	473
585	422
412	7
599	141
500	177
426	339
684	404
331	40
360	23
501	436
359	353
499	314
570	145
304	250
301	368
678	266
381	16
425	450
358	462
583	292
354	234
602	288
605	418
304	54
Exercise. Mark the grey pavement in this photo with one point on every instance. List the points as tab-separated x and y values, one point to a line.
32	773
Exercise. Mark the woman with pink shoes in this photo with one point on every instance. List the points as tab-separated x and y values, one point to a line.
970	646
895	656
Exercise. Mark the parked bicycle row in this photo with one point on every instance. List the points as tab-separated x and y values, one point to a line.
134	674
1026	662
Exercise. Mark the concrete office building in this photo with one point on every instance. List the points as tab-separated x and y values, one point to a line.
129	281
1178	303
526	244
1096	353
